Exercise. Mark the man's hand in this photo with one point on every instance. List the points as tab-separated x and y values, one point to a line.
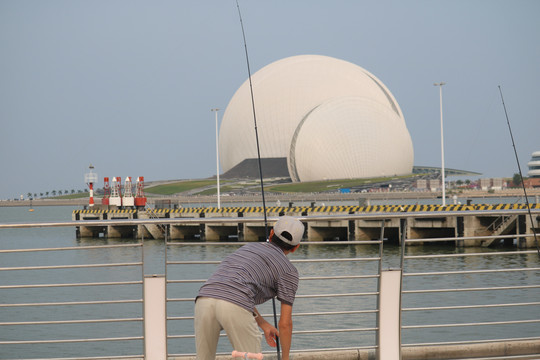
270	333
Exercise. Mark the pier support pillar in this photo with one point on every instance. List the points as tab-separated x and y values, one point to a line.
525	227
313	234
211	233
250	234
142	232
470	226
85	231
184	232
155	231
113	232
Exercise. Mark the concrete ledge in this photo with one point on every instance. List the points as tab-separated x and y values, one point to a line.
507	348
529	348
358	354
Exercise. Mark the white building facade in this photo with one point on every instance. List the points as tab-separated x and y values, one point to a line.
329	118
534	165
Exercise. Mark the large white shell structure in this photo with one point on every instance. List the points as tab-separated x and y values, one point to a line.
329	118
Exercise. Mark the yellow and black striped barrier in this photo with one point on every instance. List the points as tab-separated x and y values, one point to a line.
320	209
123	211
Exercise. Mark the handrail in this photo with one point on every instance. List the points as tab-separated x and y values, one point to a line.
367	316
460	307
66	341
359	315
74	309
86	247
84	266
91	321
103	283
70	303
438	299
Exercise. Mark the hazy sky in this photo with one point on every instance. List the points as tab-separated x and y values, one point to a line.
128	85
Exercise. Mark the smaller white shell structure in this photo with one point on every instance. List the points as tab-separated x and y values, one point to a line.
329	118
361	138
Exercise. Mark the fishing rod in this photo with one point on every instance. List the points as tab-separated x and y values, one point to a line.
259	160
520	174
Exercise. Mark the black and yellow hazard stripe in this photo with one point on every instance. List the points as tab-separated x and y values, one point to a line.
319	209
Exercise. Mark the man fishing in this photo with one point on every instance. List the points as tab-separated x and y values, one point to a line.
248	277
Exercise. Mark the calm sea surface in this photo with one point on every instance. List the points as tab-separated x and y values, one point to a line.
154	255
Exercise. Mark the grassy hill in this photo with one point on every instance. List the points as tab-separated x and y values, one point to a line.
276	185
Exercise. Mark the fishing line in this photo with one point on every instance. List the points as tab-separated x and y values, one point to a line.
520	174
259	160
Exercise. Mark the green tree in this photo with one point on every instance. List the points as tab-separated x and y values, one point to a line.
516	179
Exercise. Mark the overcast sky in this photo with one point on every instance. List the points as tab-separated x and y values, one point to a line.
128	85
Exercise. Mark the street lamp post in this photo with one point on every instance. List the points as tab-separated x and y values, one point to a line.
217	158
440	85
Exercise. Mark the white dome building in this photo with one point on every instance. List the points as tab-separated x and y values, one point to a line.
318	118
534	165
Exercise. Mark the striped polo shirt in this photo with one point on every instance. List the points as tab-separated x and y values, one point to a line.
252	275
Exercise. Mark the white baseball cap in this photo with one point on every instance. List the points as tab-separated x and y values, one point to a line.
289	230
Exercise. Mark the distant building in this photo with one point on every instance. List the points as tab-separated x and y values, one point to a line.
492	184
497	184
435	184
318	118
421	184
534	165
532	182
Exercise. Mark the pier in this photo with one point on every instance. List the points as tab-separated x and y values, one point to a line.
475	225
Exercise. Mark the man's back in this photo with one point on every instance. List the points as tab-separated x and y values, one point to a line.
253	274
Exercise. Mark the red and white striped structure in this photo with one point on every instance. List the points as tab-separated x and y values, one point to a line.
140	199
90	179
106	191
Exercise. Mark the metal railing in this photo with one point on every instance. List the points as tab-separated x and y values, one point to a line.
450	295
54	306
484	297
348	309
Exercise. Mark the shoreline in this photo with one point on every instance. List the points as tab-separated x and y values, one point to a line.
187	199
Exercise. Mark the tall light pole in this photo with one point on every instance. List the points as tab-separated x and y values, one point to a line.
440	85
215	110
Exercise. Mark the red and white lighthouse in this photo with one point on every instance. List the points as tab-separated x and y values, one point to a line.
106	191
90	179
140	199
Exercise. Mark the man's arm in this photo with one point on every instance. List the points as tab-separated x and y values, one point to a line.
270	332
285	330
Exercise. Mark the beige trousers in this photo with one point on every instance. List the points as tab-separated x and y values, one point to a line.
214	315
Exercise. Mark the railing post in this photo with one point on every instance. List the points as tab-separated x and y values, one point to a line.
155	318
389	315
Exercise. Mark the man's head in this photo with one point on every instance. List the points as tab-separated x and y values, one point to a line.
289	231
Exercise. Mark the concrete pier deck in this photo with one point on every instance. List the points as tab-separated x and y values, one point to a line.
423	221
